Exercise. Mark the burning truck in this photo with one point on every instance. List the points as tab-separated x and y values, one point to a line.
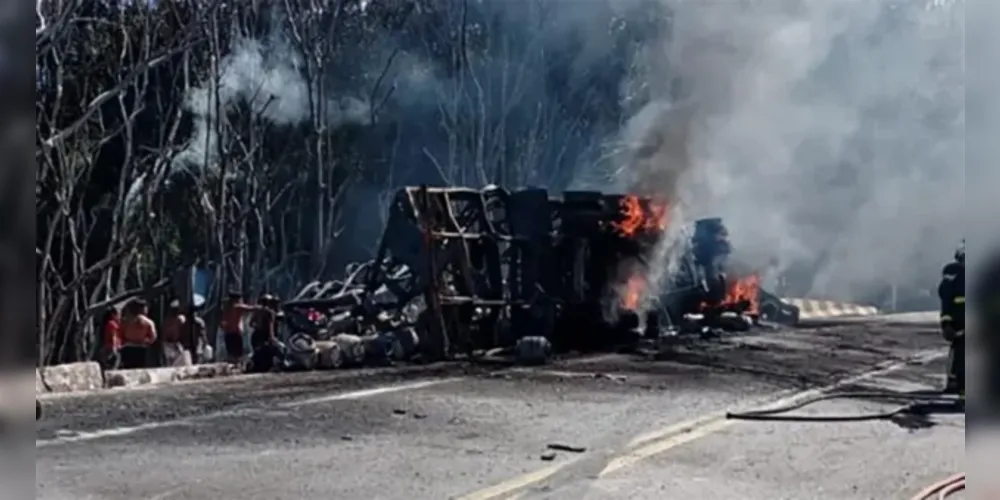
460	273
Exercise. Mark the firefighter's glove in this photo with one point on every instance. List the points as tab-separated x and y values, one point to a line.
949	332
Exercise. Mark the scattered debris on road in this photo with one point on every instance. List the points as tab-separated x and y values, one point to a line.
566	447
611	377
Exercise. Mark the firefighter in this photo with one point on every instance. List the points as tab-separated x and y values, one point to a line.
951	291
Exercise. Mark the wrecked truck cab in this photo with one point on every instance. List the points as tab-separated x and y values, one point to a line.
708	281
710	250
710	244
775	310
699	276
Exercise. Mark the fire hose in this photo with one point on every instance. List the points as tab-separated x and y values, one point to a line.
916	404
942	489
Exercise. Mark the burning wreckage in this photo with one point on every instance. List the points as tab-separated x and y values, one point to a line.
463	273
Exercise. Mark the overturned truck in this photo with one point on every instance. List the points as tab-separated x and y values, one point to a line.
464	271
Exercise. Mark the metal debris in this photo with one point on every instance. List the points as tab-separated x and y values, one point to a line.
461	273
533	351
566	447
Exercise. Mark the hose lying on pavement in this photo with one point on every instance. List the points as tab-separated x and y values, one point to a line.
916	404
942	489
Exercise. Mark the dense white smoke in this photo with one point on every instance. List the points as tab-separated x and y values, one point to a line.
268	78
828	134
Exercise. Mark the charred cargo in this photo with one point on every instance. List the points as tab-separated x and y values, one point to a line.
472	270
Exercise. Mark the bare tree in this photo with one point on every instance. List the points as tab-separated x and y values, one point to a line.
501	126
98	74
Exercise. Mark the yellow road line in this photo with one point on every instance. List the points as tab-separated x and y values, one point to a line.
673	430
657	447
663	440
508	488
673	434
511	486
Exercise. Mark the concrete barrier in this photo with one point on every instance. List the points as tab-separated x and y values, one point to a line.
155	376
71	377
810	309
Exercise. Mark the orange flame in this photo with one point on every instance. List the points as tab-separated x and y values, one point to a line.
743	291
635	218
632	216
632	295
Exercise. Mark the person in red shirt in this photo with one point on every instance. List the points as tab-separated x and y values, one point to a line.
138	334
112	336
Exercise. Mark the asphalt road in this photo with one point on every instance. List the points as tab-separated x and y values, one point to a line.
650	429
